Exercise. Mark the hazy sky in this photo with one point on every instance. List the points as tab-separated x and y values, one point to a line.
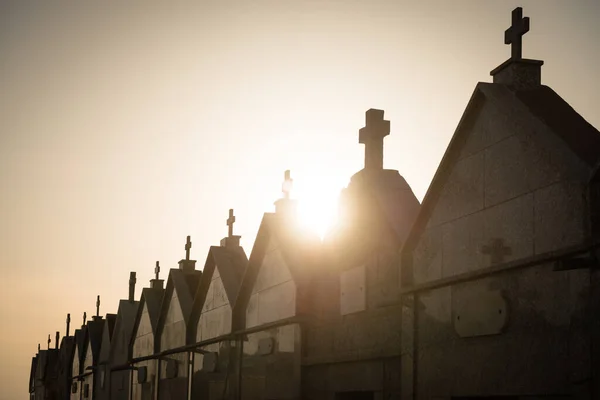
126	126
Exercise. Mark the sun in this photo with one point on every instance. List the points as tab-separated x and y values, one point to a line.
317	204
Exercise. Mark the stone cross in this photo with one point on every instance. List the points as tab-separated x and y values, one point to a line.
188	246
98	306
286	188
157	270
514	34
68	323
230	222
496	250
84	317
376	128
49	341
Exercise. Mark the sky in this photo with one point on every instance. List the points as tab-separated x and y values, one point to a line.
126	126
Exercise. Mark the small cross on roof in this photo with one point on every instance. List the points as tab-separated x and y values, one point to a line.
188	246
286	188
230	222
514	34
157	270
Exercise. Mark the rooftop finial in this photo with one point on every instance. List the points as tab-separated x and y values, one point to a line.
230	222
132	281
514	34
188	246
57	339
98	306
39	347
286	187
371	136
68	323
84	318
157	270
49	341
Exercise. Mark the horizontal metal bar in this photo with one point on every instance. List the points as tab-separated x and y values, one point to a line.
229	336
501	268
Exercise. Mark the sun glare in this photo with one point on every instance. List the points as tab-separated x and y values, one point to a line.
317	204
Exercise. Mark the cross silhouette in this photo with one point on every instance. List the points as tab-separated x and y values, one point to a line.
230	222
496	250
376	128
188	246
157	270
286	188
514	34
98	306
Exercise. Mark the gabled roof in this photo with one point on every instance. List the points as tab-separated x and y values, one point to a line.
122	331
186	284
32	374
231	263
81	345
67	351
544	104
107	334
301	253
95	329
152	298
110	319
578	134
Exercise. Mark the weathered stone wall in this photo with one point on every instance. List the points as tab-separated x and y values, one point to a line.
215	318
144	346
523	332
274	294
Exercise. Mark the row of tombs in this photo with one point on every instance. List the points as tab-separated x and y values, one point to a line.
487	289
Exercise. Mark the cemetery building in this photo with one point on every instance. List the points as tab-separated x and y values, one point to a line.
144	339
486	290
499	270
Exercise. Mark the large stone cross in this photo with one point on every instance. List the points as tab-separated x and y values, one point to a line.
188	246
514	34
157	270
286	188
230	222
496	250
371	136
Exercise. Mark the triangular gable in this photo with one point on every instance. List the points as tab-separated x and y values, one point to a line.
80	350
95	329
185	284
32	374
228	264
121	338
107	333
299	251
151	300
541	103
